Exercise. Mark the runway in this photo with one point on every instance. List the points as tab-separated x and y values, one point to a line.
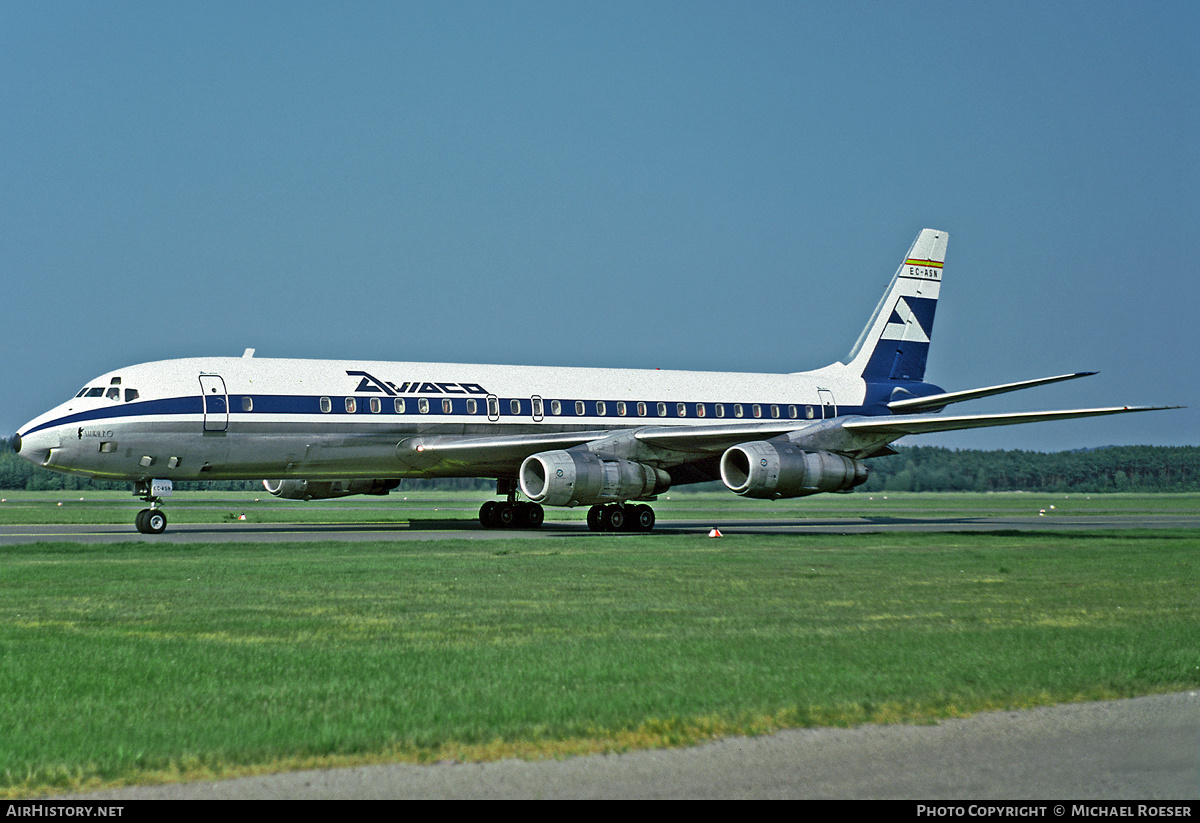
461	529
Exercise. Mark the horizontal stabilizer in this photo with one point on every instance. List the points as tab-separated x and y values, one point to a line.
933	402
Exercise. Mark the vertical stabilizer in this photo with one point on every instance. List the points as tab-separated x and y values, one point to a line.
895	343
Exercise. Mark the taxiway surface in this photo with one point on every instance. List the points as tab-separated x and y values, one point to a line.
466	529
1146	748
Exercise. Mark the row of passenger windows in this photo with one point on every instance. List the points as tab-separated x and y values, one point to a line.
622	408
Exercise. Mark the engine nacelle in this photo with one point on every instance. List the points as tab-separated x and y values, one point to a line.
325	489
773	470
573	478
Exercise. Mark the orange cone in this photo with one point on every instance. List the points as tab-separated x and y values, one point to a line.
715	533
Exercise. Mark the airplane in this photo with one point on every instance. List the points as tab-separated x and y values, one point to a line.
609	439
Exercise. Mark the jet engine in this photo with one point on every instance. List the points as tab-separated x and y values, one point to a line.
572	478
325	489
773	470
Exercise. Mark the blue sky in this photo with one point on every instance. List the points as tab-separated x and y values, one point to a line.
649	184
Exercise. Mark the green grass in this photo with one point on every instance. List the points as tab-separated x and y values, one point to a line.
155	661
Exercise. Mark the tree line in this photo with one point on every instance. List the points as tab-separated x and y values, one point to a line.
914	468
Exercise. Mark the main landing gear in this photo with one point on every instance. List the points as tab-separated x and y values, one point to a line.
510	514
621	517
152	520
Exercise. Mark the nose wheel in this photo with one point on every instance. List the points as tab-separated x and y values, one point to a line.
151	521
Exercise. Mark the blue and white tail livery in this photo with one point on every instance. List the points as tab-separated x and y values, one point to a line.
895	343
607	439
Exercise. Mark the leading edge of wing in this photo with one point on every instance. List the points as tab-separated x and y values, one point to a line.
901	425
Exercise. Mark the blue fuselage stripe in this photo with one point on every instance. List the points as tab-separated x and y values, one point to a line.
505	408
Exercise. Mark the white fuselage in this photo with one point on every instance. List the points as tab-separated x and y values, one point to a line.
248	418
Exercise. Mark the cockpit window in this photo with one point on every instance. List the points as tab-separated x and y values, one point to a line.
113	394
131	395
82	392
96	392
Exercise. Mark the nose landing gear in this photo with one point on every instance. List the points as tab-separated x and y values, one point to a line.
152	520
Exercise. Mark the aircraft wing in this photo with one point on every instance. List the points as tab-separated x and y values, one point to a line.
679	445
900	425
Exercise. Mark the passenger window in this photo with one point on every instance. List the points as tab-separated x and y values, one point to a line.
247	404
537	406
472	406
493	407
556	407
641	409
808	412
423	405
756	410
720	410
514	406
737	409
662	409
398	405
376	405
601	409
326	405
351	405
699	409
579	408
446	406
792	412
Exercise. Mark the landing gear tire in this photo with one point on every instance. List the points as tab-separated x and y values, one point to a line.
643	518
614	518
533	516
621	517
151	521
595	514
504	515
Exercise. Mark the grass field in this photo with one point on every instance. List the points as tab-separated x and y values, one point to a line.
146	662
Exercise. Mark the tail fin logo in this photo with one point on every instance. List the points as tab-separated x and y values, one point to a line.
905	324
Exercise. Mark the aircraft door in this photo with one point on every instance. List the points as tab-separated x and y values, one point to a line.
216	402
828	407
